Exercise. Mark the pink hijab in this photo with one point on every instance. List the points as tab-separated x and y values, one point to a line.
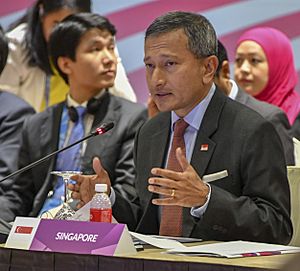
282	73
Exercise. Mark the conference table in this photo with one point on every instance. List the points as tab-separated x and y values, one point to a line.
150	259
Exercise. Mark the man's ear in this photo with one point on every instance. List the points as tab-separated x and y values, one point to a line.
225	70
210	64
64	63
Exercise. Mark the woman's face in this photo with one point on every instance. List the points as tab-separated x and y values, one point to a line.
52	18
251	69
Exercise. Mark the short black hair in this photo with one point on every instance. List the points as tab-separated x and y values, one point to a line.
222	56
3	49
67	34
202	40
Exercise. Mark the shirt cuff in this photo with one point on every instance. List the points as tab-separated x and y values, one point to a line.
199	211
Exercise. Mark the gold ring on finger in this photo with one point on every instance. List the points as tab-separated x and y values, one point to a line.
173	193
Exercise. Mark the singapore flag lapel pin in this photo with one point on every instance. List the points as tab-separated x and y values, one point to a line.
204	147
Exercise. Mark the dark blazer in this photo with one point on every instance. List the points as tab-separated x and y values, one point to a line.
277	117
13	112
296	127
252	203
40	137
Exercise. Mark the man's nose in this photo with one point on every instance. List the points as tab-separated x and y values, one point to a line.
108	56
158	77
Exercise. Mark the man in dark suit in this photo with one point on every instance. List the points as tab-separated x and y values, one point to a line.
12	115
270	112
82	49
296	128
248	194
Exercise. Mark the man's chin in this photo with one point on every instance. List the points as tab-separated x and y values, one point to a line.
164	108
108	84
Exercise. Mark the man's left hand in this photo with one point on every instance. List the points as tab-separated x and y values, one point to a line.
184	188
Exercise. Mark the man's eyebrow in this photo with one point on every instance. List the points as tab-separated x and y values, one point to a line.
162	56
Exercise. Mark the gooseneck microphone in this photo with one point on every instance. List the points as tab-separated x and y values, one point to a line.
105	127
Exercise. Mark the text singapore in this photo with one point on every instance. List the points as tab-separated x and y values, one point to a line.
70	236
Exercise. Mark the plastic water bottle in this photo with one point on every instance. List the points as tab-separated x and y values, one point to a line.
100	209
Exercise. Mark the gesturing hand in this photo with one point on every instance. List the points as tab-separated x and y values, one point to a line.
185	188
84	189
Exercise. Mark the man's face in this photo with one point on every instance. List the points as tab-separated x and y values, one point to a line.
176	79
95	63
222	79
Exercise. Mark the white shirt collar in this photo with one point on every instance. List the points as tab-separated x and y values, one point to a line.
194	118
72	102
234	89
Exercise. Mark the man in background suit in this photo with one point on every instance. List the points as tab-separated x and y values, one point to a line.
270	112
82	49
296	128
249	198
12	115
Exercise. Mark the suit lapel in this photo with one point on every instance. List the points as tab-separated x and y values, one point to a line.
160	138
49	136
50	130
157	155
204	147
159	145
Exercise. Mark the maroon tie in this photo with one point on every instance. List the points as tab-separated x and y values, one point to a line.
171	216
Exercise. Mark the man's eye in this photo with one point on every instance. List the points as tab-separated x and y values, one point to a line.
149	66
111	46
170	63
96	49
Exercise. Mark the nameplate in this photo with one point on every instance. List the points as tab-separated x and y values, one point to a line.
70	236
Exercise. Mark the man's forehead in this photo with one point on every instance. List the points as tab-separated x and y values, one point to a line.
98	33
165	45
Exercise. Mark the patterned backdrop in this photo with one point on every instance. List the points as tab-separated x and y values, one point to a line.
229	17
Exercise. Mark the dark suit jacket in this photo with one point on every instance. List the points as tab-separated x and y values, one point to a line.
296	128
252	203
40	137
13	112
277	117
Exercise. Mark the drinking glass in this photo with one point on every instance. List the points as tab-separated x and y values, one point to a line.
66	175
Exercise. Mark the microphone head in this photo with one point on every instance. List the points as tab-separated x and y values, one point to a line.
105	127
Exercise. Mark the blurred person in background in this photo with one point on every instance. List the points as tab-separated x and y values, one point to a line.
29	73
270	112
12	115
82	50
296	128
264	68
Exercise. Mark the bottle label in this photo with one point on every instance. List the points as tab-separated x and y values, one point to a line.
100	215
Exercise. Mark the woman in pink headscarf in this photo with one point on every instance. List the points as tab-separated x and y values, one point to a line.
264	67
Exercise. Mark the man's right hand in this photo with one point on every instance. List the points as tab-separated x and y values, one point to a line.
84	189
